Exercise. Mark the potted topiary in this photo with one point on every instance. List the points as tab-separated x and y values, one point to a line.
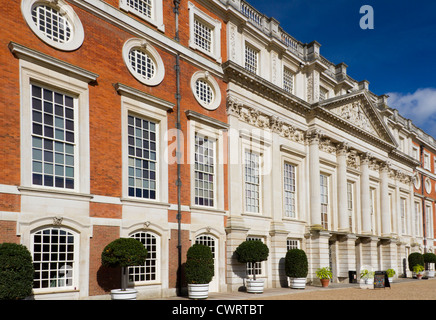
418	270
296	268
16	272
252	251
414	259
390	273
199	271
429	257
324	275
124	253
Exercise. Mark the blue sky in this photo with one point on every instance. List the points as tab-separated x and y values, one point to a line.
397	57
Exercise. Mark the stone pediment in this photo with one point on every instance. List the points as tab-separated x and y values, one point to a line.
358	112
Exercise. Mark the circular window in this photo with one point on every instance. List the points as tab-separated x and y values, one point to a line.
54	22
206	90
143	62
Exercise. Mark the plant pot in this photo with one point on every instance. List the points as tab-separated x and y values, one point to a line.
325	282
128	294
255	286
430	273
198	291
367	283
391	279
419	276
297	283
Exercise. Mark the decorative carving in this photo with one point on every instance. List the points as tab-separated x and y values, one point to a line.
374	165
365	158
342	148
353	160
353	112
314	135
146	224
263	121
57	221
310	88
327	146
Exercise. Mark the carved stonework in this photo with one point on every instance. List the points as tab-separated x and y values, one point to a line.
374	165
310	88
353	160
353	112
327	146
263	121
342	148
57	221
232	42
365	158
313	135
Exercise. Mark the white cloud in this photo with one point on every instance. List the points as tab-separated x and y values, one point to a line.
419	106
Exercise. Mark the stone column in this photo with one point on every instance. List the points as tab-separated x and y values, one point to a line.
346	256
235	271
313	136
365	198
344	221
384	200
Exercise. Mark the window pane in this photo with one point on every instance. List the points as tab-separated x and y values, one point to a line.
45	139
204	171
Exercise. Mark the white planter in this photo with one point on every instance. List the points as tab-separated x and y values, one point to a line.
391	279
430	273
255	286
297	283
128	294
198	291
367	283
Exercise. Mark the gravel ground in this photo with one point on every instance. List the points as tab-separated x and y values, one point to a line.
406	290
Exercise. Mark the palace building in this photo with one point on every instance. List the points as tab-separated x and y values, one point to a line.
196	121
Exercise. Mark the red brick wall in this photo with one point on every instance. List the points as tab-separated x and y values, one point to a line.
10	202
8	232
105	210
174	255
102	279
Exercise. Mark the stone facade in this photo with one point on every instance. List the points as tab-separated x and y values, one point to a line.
275	143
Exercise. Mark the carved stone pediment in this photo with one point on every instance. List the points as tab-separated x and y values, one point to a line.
355	113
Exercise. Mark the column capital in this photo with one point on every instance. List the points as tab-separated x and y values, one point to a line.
342	148
385	166
314	135
365	158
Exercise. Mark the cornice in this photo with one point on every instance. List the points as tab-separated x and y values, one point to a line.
235	73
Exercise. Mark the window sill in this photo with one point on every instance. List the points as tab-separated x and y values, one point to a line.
57	193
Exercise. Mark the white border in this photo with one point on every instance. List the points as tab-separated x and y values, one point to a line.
156	15
205	76
77	35
136	43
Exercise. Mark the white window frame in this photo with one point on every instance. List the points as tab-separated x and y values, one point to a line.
41	69
216	91
292	215
415	153
259	155
418	224
350	203
251	46
156	18
139	103
325	204
147	48
292	243
288	72
429	220
427	160
403	214
158	258
207	127
76	267
215	25
77	33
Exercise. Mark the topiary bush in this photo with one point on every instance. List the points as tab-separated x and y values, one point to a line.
199	267
252	251
296	264
415	259
16	272
124	252
429	257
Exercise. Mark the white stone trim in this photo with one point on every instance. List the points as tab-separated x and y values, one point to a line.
65	10
156	15
215	25
143	45
210	80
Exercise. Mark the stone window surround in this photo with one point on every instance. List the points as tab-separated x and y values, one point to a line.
143	45
65	10
210	80
215	25
156	18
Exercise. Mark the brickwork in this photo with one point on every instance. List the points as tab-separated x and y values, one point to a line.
8	232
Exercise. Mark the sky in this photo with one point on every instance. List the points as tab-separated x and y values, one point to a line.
397	56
